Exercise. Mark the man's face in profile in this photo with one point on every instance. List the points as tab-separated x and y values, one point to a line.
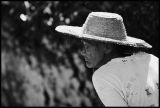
93	54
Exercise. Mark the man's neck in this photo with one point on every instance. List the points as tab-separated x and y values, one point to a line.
107	58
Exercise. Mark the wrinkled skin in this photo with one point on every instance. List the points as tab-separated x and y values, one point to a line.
95	54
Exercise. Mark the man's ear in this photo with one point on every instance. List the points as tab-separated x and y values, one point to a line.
108	48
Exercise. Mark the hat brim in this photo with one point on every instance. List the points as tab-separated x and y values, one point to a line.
77	32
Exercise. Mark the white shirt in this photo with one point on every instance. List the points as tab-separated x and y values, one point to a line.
129	81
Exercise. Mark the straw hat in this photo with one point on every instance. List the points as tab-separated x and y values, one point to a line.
104	27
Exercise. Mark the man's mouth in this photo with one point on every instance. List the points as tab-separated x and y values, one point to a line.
86	60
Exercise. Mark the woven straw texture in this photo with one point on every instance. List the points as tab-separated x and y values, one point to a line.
104	27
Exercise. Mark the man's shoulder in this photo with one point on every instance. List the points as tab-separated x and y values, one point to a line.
154	60
126	65
107	70
112	66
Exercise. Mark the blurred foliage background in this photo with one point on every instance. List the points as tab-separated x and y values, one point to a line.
39	68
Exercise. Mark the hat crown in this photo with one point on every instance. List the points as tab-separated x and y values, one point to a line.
104	24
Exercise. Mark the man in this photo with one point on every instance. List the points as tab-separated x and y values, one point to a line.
125	75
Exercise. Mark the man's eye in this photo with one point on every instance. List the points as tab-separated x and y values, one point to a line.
86	47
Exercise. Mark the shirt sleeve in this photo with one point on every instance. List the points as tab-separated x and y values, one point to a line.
107	91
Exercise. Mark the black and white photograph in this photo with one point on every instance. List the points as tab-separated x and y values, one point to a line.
70	53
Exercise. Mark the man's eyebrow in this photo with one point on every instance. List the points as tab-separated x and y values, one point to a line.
86	42
81	40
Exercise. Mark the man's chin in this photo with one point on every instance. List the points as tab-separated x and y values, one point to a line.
89	65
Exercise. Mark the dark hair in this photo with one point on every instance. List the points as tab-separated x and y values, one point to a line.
124	50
